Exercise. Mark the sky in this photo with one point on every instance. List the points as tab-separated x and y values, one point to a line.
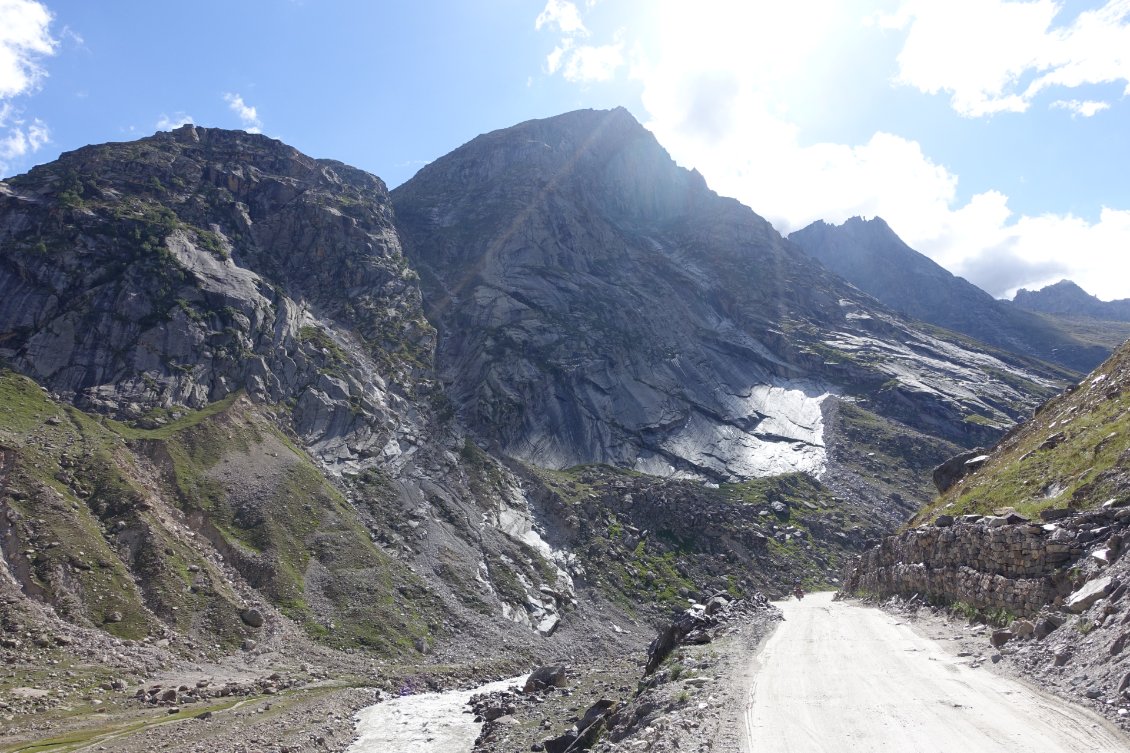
992	135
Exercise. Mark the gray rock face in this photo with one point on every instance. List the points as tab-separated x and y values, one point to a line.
175	270
147	279
597	303
869	255
1092	591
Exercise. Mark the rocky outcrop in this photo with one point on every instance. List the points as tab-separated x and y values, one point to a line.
953	470
987	562
138	279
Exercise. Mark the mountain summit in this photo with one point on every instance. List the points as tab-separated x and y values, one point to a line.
1067	298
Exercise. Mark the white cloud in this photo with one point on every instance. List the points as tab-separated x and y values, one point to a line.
25	39
554	59
757	157
1086	108
998	55
593	63
579	63
563	15
247	114
20	137
176	120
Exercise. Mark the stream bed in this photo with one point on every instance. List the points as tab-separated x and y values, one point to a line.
433	722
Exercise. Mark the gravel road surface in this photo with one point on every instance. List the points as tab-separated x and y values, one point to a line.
838	677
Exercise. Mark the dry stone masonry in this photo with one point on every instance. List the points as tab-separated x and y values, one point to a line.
991	562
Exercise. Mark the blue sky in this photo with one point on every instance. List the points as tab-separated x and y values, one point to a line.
991	134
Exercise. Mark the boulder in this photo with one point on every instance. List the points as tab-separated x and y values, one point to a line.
252	618
950	472
1001	637
672	635
716	604
1081	600
550	676
1058	513
1045	626
943	521
1119	644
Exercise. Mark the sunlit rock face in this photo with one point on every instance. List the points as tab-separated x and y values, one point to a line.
597	303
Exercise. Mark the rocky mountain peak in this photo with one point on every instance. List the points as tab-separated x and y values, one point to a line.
868	254
602	157
1067	298
172	271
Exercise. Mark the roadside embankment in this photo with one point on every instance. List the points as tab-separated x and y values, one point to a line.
993	562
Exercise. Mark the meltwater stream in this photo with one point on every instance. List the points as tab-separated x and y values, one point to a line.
433	722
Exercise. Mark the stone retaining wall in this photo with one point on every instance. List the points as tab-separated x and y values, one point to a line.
988	562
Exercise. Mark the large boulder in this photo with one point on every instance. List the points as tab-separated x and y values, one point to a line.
552	676
953	470
1080	601
252	618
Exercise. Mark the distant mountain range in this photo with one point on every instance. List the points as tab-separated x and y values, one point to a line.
1067	298
868	254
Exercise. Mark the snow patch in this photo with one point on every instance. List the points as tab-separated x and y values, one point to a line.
771	430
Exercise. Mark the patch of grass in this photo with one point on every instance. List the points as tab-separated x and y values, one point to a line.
211	243
83	738
321	339
298	525
1073	453
995	616
171	429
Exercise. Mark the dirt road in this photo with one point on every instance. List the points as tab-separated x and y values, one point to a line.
838	677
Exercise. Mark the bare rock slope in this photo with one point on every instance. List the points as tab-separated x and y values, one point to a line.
597	303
